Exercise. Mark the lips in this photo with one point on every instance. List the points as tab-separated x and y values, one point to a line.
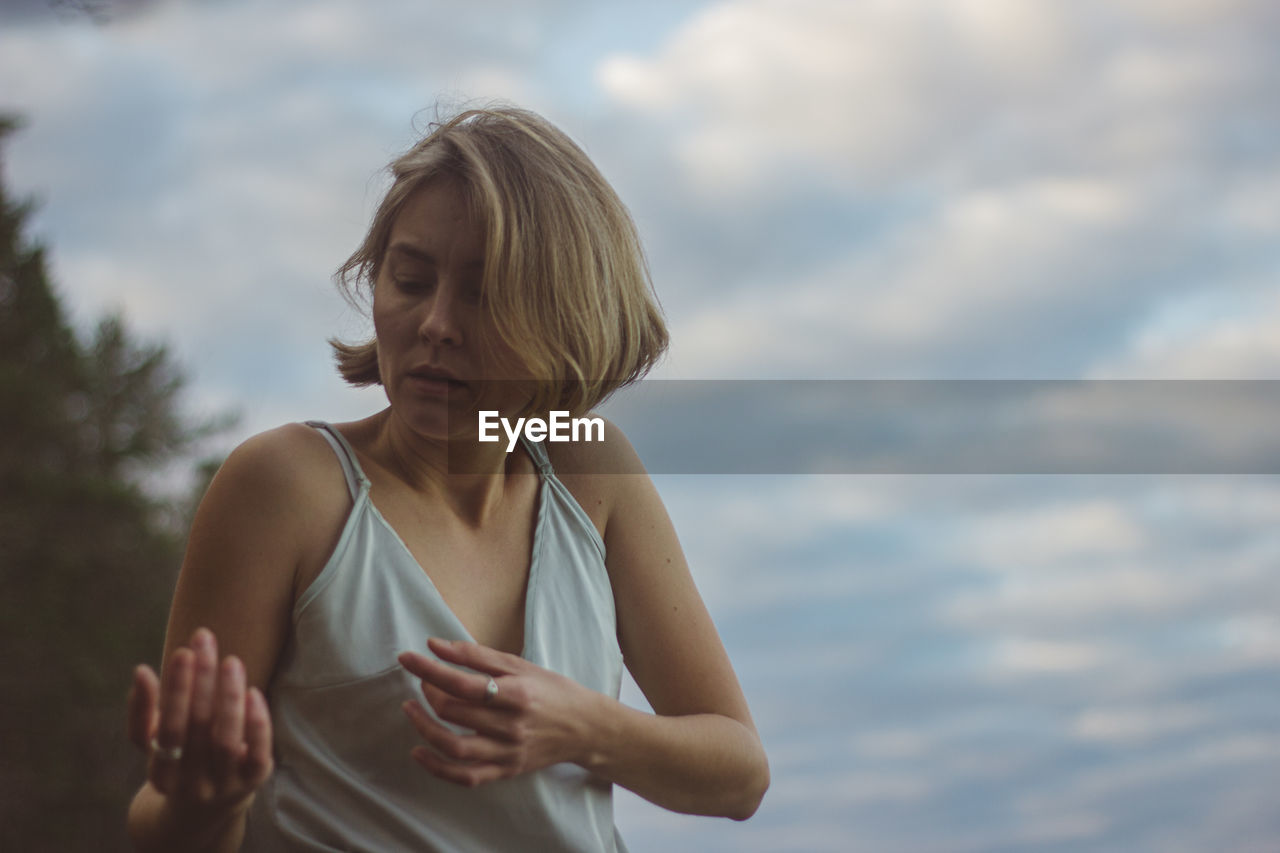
437	373
435	380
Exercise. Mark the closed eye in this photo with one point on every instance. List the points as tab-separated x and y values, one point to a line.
412	285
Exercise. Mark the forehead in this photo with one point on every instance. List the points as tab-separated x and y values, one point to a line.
437	222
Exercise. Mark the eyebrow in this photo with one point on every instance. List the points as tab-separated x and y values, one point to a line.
425	256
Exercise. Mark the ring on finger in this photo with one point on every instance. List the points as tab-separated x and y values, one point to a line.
165	753
490	691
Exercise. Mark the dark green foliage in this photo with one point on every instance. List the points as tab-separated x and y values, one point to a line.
87	562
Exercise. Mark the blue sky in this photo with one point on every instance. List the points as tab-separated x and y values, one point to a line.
828	189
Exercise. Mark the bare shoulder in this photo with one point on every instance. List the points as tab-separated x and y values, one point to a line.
291	457
284	486
591	455
293	472
599	474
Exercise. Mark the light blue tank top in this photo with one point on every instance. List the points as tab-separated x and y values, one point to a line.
344	779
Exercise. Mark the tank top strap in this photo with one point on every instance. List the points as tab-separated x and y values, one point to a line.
538	453
351	470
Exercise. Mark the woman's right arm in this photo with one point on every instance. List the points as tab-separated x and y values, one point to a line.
266	518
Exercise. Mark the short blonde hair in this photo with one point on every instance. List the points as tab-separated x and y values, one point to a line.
565	280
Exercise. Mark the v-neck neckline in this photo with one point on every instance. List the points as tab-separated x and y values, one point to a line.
535	550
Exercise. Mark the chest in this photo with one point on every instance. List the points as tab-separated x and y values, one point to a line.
481	572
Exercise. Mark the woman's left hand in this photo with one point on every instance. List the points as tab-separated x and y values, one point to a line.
536	717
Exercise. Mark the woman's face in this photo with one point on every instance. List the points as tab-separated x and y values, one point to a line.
436	347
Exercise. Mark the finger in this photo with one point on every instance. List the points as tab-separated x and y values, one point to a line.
257	762
466	775
475	656
469	686
226	737
144	706
496	723
175	709
455	747
203	691
447	678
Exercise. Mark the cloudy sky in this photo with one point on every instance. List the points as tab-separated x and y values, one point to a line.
828	189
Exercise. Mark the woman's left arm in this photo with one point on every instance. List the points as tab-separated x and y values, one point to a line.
699	754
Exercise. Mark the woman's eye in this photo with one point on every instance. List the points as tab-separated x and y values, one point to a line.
411	285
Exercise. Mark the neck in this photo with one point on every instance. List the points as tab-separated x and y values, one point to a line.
431	466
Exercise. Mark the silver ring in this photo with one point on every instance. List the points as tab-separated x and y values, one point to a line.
490	691
165	753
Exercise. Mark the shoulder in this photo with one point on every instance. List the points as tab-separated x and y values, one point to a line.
287	478
601	475
291	458
274	509
590	455
281	449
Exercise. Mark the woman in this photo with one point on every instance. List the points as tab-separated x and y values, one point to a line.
387	654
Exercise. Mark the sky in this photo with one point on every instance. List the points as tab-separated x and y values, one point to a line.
827	190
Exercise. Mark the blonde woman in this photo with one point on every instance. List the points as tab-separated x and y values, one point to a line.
369	650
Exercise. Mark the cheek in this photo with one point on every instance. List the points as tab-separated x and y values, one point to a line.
391	320
389	330
382	326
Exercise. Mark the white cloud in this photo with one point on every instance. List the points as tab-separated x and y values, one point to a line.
1127	725
1253	638
762	85
878	91
856	788
1058	826
1134	559
1039	178
967	271
1240	340
1030	539
1070	598
893	744
1095	787
1013	657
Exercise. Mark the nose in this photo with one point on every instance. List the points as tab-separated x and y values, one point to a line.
441	321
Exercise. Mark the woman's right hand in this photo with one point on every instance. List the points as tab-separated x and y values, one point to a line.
207	734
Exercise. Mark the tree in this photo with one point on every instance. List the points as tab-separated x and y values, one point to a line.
87	562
